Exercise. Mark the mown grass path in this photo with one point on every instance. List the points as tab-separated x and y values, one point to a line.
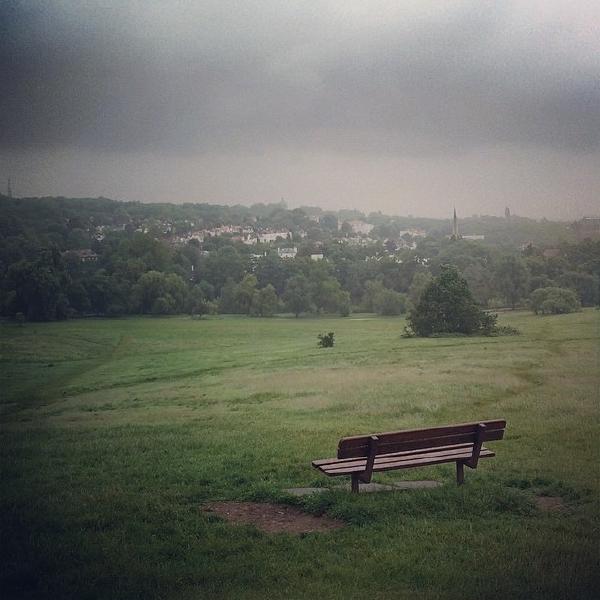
114	432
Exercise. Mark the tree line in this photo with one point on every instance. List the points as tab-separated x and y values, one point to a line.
132	272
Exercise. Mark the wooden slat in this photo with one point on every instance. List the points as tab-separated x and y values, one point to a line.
409	434
324	461
426	442
464	450
408	464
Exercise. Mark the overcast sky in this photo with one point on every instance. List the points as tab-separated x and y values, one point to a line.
405	107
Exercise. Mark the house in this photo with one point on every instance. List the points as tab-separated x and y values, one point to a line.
361	227
357	241
412	232
86	255
473	237
250	239
406	245
316	257
287	252
266	237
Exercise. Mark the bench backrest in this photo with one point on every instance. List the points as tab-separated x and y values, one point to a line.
417	439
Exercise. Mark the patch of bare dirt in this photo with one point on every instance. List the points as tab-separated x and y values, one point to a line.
272	518
550	503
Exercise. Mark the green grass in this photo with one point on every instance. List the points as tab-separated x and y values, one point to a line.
114	432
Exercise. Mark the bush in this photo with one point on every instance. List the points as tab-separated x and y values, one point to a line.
326	340
447	306
554	301
505	330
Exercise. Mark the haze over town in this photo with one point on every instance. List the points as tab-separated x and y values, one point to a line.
404	107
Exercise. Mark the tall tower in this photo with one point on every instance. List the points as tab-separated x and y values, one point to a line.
455	226
507	213
8	189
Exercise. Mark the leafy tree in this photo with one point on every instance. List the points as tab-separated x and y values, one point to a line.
227	302
346	228
584	284
244	294
329	222
372	289
540	281
265	302
164	305
419	282
159	293
273	270
512	278
297	295
78	297
554	301
479	281
226	263
154	254
389	303
328	296
38	288
447	306
197	302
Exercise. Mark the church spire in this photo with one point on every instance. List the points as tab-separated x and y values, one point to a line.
455	226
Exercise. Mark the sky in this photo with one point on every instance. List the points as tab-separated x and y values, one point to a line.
408	107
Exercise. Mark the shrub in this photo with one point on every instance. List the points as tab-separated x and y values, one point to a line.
326	340
554	301
505	330
447	306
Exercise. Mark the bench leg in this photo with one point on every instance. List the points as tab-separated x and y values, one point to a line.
355	481
460	472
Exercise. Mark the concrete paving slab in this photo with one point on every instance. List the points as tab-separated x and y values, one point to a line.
368	487
307	491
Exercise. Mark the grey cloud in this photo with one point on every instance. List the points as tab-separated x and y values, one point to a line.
240	77
405	106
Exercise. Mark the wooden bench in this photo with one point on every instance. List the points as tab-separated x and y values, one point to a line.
362	455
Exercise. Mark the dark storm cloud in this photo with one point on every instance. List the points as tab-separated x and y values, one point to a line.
204	77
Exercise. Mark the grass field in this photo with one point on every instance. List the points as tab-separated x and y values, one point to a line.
115	432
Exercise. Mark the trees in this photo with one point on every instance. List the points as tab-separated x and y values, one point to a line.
197	302
328	296
244	294
265	302
297	295
382	300
159	293
389	303
554	301
512	278
447	306
37	288
114	278
584	284
481	285
419	282
273	270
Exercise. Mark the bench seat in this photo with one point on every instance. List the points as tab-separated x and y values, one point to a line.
400	460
